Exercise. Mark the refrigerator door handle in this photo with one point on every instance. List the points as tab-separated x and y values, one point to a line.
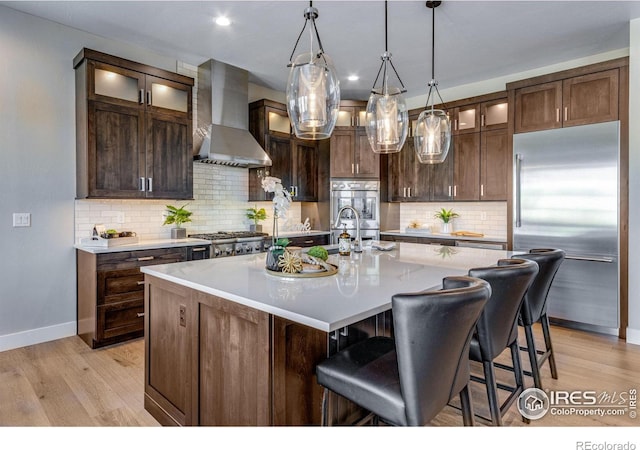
587	258
518	200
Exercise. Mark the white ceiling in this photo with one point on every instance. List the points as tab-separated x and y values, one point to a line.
475	40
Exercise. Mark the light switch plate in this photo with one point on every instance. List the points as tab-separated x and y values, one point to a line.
21	219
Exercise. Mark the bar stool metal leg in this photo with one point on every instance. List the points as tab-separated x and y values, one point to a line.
467	407
533	357
547	340
492	392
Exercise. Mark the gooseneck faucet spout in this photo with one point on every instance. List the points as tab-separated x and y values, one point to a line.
357	247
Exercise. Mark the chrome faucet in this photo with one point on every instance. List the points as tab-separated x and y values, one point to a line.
357	246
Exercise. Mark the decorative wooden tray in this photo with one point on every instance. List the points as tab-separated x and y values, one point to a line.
324	273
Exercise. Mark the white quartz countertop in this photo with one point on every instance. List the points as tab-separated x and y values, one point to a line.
429	234
145	244
362	287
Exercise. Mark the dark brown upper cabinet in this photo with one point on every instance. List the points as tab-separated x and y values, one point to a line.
133	129
351	154
294	161
579	100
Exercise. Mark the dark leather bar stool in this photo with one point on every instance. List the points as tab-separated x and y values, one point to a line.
534	310
497	328
410	379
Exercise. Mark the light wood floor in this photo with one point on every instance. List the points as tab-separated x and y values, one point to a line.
65	383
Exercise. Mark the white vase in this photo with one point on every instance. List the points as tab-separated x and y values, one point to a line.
446	227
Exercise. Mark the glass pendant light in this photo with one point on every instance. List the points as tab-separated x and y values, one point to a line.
432	136
313	89
387	120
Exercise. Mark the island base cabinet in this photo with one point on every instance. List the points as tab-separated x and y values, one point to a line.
214	362
233	363
169	336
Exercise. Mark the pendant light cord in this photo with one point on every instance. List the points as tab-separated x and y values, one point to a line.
386	58
433	83
312	17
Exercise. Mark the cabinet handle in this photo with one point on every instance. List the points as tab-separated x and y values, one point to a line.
149	98
141	97
353	168
557	114
140	314
198	249
143	186
310	241
140	283
404	192
455	125
566	113
455	190
150	188
449	190
357	168
146	258
482	120
482	190
409	190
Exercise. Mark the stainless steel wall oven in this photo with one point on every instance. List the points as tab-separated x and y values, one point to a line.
364	197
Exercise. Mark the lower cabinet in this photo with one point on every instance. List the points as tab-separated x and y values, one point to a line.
214	362
110	289
309	241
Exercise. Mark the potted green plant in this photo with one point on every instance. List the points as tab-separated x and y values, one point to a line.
256	215
177	216
446	215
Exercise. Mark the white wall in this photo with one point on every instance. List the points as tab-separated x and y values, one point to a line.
633	330
37	173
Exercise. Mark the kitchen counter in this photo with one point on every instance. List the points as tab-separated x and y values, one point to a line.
362	288
226	343
431	235
145	244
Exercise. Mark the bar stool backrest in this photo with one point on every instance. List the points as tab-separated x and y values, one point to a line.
432	333
535	301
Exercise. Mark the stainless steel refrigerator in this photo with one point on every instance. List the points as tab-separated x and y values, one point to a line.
566	196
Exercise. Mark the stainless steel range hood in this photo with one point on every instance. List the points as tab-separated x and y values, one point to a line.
222	135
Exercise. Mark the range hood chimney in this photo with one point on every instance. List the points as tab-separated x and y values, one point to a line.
222	135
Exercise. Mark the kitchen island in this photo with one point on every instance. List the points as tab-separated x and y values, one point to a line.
229	344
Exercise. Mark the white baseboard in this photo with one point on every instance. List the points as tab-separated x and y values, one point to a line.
633	336
37	336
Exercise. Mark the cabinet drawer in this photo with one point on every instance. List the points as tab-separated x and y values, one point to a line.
120	318
120	285
309	241
139	258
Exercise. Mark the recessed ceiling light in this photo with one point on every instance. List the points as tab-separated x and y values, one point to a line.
223	21
353	78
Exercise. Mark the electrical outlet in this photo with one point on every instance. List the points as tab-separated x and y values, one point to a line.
119	217
483	215
21	219
183	316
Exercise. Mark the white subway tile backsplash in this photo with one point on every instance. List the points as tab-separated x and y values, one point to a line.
494	225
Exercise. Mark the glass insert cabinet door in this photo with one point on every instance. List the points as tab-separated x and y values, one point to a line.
165	94
116	85
128	87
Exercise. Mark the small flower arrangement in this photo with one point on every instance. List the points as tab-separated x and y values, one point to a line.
281	201
446	215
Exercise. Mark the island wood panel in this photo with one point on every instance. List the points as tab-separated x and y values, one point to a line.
297	349
169	328
233	363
